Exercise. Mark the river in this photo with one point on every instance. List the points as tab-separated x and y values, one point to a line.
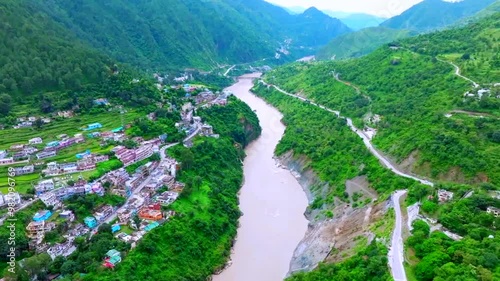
272	202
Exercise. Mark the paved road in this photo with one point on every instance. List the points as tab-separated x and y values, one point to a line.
396	254
360	133
457	72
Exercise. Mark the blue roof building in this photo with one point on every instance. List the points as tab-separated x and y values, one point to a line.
42	216
115	228
151	226
94	126
53	144
91	222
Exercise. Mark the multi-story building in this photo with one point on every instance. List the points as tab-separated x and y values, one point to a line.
50	199
30	169
36	140
46	154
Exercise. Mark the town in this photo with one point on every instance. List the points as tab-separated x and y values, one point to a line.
140	177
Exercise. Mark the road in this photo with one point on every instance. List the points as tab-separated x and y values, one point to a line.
396	254
227	72
163	155
457	72
361	134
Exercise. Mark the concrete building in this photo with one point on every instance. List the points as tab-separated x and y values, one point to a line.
46	154
12	198
6	161
30	169
91	222
49	199
37	140
494	211
444	195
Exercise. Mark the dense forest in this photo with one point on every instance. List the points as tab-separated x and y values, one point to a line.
412	93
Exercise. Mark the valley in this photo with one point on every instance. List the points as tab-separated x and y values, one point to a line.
240	140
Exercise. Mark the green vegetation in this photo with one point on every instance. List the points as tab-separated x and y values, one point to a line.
149	35
360	43
412	92
336	154
434	14
368	264
83	206
235	120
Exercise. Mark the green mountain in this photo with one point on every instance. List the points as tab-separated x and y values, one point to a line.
435	14
37	53
190	33
486	12
413	91
360	43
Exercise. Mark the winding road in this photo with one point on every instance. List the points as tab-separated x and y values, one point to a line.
457	72
396	252
227	72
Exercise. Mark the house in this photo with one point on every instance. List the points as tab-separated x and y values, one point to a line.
37	140
46	154
36	230
30	150
444	195
167	197
12	198
17	147
94	126
150	214
124	237
65	114
49	199
3	154
113	257
103	212
64	250
6	161
494	211
42	216
30	169
20	155
67	214
207	130
101	101
83	154
79	138
45	185
53	144
91	222
124	215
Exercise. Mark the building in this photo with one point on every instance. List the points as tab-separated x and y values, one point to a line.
45	185
207	130
20	155
151	226
30	169
46	154
64	250
94	126
12	198
150	214
65	114
36	230
494	211
167	197
6	161
53	144
49	199
37	140
124	215
444	195
101	101
91	222
68	215
42	216
3	154
30	150
103	212
17	147
113	257
115	228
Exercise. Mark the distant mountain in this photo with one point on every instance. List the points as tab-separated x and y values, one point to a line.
356	21
360	43
435	14
188	33
486	12
295	10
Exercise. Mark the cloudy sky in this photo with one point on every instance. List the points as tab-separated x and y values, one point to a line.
386	8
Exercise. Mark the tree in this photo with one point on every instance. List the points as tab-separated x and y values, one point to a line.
186	159
69	267
5	104
37	265
104	228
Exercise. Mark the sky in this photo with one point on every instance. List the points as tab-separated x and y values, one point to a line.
384	8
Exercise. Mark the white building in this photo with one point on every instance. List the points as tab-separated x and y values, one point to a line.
3	154
49	199
12	197
35	141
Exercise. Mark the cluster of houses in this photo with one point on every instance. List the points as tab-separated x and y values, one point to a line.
480	93
130	156
26	122
87	163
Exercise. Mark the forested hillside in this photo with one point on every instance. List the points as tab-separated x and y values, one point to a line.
434	14
360	43
412	93
192	33
37	53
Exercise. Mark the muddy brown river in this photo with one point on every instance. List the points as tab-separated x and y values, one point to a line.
272	202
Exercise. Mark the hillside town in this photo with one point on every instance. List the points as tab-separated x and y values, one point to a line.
145	179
